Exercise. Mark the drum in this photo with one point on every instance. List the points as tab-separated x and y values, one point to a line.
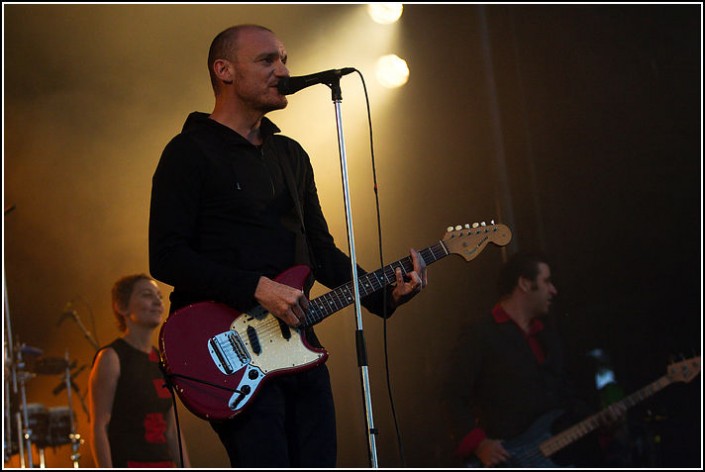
47	365
37	422
60	425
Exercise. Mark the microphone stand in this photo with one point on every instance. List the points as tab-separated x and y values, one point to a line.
337	98
87	334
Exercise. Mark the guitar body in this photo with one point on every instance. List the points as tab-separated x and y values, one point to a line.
218	358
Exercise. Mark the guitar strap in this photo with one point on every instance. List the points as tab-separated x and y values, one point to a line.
303	248
284	153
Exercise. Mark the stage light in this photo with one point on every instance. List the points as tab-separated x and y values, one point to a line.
392	71
385	13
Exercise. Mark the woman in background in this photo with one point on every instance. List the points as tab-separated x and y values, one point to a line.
131	410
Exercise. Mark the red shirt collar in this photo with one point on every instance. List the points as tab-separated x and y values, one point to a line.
501	316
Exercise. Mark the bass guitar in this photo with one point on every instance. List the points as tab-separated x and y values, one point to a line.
218	358
534	447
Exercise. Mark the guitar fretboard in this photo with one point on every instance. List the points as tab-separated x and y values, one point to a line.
572	434
341	297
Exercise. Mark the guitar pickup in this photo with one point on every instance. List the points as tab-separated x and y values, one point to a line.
228	352
254	340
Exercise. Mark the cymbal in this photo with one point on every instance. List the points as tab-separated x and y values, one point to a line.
30	351
48	366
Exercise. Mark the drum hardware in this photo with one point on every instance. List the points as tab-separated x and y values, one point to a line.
21	418
49	365
62	385
26	423
75	439
34	425
38	428
14	384
29	352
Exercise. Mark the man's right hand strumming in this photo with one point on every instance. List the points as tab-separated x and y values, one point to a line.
286	303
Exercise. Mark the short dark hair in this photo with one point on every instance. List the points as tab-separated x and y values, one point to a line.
222	47
521	264
121	293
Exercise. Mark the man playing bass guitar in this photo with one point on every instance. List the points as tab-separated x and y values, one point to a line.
508	372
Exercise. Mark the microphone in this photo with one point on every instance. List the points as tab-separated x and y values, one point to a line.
68	312
289	85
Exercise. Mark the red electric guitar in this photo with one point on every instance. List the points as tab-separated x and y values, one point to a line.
217	357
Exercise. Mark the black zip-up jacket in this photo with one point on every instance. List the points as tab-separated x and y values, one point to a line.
222	215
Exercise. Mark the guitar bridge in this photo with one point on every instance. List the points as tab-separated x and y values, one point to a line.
228	352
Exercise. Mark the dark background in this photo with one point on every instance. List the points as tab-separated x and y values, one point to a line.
578	126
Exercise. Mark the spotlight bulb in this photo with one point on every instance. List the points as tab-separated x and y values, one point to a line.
385	13
392	71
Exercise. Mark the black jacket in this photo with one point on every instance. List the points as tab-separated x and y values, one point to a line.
222	215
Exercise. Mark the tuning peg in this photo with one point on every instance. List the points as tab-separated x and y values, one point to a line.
449	229
467	226
483	224
475	225
492	222
458	228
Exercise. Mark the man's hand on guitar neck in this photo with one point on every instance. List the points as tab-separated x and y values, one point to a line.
407	287
286	303
290	304
491	452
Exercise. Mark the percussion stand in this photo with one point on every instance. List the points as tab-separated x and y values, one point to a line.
42	458
9	399
73	436
24	433
18	380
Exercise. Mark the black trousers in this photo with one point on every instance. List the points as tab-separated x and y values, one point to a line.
290	423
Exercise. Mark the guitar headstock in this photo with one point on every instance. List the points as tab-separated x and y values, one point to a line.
684	371
469	240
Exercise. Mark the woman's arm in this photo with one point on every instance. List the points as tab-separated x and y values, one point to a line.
102	385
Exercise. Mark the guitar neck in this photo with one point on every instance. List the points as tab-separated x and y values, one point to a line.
572	434
325	305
